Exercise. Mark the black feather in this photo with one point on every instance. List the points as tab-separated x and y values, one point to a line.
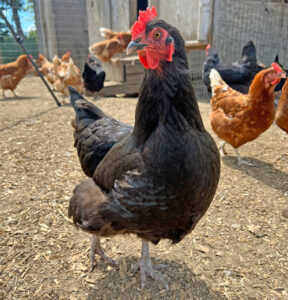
93	76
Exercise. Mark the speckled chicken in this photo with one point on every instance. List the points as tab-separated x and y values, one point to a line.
157	179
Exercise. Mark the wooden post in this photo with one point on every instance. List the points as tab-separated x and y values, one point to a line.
204	20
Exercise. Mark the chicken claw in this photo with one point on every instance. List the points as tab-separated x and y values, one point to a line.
96	248
242	161
147	268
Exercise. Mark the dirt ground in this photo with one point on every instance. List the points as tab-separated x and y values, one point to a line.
237	251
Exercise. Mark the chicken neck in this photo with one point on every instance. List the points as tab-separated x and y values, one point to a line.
166	93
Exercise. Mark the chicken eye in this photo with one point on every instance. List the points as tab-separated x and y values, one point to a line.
157	35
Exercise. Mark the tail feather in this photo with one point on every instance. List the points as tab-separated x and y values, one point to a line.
106	33
85	206
86	112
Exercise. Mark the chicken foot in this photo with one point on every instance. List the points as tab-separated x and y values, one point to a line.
96	248
147	268
242	161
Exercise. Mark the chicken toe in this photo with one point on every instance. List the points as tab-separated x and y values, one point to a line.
96	248
242	161
146	267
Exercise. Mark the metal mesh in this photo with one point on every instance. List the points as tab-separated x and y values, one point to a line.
264	22
195	60
60	26
237	22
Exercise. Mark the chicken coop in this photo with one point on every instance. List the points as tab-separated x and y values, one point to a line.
53	27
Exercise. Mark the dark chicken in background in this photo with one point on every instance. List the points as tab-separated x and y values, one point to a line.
280	85
157	179
239	74
93	75
281	116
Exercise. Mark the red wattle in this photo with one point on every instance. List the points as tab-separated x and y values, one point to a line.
143	61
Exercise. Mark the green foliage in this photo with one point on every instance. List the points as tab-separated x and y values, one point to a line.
10	49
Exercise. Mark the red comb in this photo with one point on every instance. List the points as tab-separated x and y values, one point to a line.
31	56
276	68
145	16
68	52
207	48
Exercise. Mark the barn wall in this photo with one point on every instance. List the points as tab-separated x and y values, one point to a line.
61	27
113	14
191	17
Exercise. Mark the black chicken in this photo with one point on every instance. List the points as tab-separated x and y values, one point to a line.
158	178
211	61
280	85
93	75
239	74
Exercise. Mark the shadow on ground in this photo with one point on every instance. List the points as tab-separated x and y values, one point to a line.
122	283
8	99
28	118
262	171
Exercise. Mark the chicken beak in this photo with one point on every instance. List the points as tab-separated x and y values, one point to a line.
283	75
134	46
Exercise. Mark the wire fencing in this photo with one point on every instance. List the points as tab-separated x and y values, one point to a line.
54	27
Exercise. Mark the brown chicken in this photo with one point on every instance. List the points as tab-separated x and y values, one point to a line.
66	57
116	42
67	74
46	68
237	118
110	34
282	109
12	73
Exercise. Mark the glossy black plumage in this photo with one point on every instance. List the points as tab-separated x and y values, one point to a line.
280	85
158	180
93	76
95	133
239	74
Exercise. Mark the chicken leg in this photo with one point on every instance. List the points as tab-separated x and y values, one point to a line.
15	95
146	267
96	248
242	161
222	148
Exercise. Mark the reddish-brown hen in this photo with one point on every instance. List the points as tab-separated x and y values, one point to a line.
237	118
46	68
282	109
67	74
12	73
115	42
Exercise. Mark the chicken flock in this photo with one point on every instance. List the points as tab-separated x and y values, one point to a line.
157	179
